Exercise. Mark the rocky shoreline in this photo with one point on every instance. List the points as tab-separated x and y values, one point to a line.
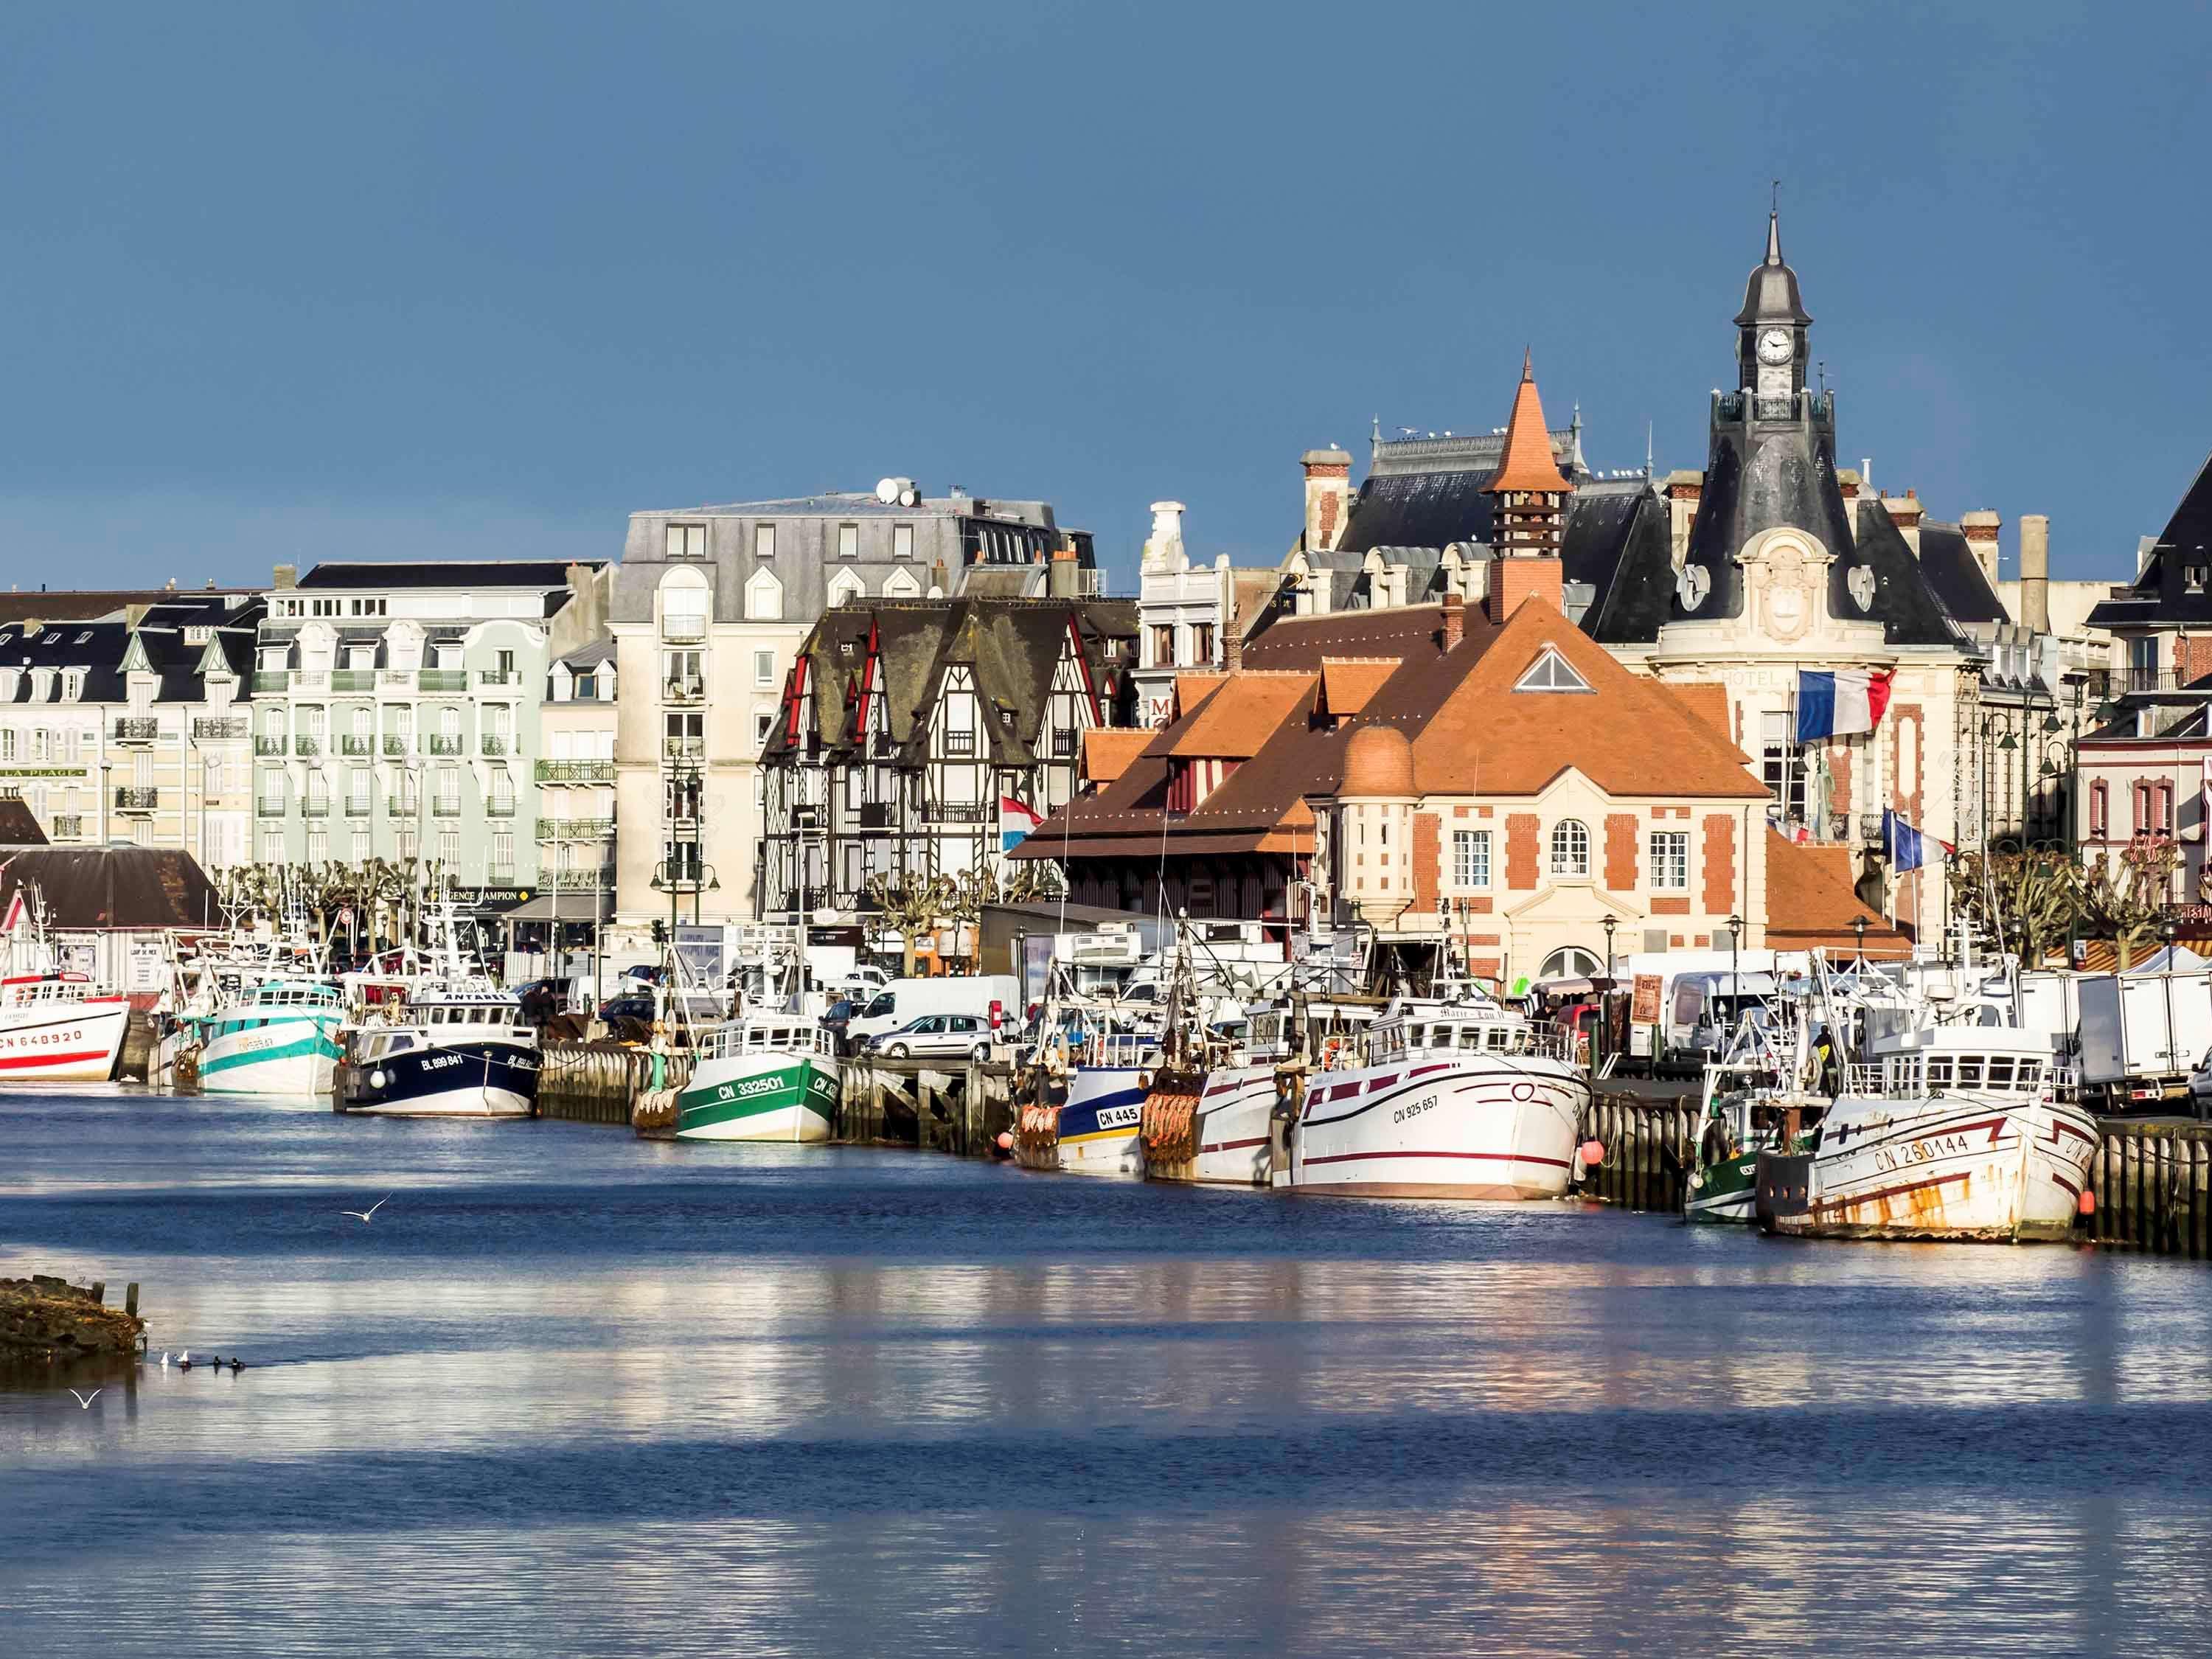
49	1319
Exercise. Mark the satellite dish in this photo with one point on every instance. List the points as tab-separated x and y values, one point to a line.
887	490
910	496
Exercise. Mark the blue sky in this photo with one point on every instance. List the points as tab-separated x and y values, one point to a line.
290	282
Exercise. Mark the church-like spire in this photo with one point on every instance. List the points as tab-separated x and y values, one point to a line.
1771	296
1526	462
1774	236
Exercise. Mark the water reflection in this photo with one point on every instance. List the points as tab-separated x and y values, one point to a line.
574	1393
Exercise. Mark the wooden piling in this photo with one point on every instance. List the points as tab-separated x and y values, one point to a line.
2150	1182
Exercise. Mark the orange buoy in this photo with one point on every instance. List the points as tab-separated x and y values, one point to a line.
1006	1141
1593	1152
2087	1204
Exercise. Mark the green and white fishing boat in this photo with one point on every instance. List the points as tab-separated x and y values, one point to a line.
764	1077
279	1037
1755	1102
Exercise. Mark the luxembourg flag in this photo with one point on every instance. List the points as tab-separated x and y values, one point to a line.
1841	704
1015	821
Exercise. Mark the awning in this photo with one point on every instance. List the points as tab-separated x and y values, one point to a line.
564	907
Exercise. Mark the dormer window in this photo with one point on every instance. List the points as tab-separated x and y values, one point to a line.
73	685
198	634
1551	672
2194	574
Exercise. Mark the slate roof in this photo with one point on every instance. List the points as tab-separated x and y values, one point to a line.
2161	594
19	825
1811	903
1470	733
100	648
79	604
114	887
1948	561
1012	646
455	573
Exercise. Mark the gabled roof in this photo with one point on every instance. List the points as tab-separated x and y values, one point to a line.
1108	750
2161	593
114	887
1348	682
1811	903
453	572
1948	561
1239	715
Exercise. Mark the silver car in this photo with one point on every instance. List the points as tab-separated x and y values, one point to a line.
964	1035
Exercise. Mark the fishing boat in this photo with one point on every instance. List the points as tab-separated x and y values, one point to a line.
1954	1132
447	1042
278	1037
764	1077
1104	1111
1756	1099
56	1026
1463	1100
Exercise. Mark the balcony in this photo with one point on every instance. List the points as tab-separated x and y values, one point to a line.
683	627
268	682
444	808
500	806
311	679
398	806
356	743
307	743
960	812
219	728
597	881
690	689
266	808
395	679
396	744
138	728
575	829
497	677
442	743
268	743
315	809
495	743
441	679
136	798
352	679
69	826
683	749
358	806
875	815
576	771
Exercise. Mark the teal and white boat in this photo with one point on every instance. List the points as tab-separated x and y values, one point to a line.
766	1077
279	1037
1755	1101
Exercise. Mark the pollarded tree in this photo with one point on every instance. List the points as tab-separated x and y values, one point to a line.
2129	894
2030	900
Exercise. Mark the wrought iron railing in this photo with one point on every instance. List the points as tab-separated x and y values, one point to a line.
355	742
352	679
441	679
138	728
267	681
68	826
136	798
396	743
576	771
307	743
575	829
494	743
442	744
219	728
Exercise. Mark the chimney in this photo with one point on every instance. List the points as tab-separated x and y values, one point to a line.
1164	550
1328	496
1682	491
287	575
2035	572
1454	620
1905	515
1060	581
1980	529
1514	581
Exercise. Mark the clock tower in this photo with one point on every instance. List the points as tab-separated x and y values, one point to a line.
1772	342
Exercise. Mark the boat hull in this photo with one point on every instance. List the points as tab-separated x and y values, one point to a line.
1212	1131
1725	1193
758	1097
1100	1120
1500	1129
281	1056
68	1043
1982	1168
485	1079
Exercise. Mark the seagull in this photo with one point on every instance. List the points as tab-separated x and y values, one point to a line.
236	1365
165	1359
84	1400
362	1216
185	1360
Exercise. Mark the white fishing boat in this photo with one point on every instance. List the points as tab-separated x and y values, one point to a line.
764	1077
1459	1100
56	1026
1954	1132
1105	1108
279	1037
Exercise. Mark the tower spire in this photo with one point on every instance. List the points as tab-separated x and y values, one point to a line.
1774	236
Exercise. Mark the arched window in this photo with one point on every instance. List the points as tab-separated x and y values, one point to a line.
1569	848
1569	963
2101	809
764	596
844	587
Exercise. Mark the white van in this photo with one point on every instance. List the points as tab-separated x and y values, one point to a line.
903	1000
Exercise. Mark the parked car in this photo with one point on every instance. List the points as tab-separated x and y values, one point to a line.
834	1018
700	1006
965	1034
2200	1087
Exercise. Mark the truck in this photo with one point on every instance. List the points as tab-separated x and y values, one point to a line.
904	1000
2140	1035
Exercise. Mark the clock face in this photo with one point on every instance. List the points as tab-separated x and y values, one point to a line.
1776	346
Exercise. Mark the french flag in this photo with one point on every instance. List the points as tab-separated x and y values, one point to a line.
1841	704
1015	821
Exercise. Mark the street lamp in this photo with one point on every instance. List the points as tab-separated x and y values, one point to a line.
1609	923
1859	925
1735	971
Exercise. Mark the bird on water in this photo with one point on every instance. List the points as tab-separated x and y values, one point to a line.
362	1216
84	1400
185	1360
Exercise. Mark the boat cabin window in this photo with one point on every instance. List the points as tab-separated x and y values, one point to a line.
2031	1073
1939	1071
1970	1070
2000	1072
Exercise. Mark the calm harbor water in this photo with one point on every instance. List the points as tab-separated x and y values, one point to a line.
574	1392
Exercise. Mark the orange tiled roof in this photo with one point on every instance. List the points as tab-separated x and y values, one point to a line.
1810	902
1346	683
1108	750
1190	690
1236	720
1633	737
1527	462
1709	701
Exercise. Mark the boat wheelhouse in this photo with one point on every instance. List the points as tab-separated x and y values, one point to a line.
764	1077
463	1051
279	1037
58	1027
